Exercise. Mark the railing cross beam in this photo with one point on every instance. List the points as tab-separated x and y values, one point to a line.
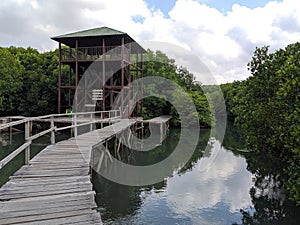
113	114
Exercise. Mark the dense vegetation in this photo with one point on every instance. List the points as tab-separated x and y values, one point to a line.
28	84
266	105
158	64
267	108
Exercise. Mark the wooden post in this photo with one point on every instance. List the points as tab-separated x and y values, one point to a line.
30	128
100	160
75	125
142	130
109	116
52	132
91	125
161	132
27	150
115	145
59	78
92	163
103	74
10	133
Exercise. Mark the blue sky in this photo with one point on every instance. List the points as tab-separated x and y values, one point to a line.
222	5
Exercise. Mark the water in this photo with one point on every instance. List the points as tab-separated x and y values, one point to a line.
8	145
222	184
215	187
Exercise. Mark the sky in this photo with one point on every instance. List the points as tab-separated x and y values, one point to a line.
222	34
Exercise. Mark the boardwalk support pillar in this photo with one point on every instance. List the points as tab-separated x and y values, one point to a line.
27	149
52	132
75	125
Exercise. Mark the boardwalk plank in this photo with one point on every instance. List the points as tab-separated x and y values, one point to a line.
43	188
32	218
90	219
9	196
50	198
56	188
58	208
57	202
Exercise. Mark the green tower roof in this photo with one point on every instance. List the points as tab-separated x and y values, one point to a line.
94	37
95	32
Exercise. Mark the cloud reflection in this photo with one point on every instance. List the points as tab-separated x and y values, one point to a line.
226	181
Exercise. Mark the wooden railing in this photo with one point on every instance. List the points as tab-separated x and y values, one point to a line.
77	120
94	53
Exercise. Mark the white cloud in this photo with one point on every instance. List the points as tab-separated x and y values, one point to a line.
224	42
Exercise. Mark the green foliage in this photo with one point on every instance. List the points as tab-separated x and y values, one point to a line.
158	64
28	84
39	85
230	91
267	107
216	99
11	80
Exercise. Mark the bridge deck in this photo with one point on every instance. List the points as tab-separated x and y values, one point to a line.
159	120
56	187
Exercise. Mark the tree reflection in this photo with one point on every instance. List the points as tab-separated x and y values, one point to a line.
270	205
118	203
268	194
203	149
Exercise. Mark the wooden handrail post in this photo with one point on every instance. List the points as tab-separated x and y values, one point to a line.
91	125
27	149
52	131
75	123
10	133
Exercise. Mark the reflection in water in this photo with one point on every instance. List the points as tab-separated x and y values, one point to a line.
221	184
8	145
216	186
270	205
268	195
204	191
221	189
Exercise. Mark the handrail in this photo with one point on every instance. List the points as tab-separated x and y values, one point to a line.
84	124
11	124
79	113
12	155
112	114
40	134
95	52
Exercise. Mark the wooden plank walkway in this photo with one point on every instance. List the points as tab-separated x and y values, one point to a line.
159	120
55	188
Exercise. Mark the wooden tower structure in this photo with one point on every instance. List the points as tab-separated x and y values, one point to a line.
109	49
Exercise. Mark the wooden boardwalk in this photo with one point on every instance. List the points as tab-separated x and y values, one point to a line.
56	188
159	120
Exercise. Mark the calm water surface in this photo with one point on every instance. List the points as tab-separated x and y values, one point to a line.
10	143
215	187
221	184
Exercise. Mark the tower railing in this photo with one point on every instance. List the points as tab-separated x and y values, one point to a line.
94	53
